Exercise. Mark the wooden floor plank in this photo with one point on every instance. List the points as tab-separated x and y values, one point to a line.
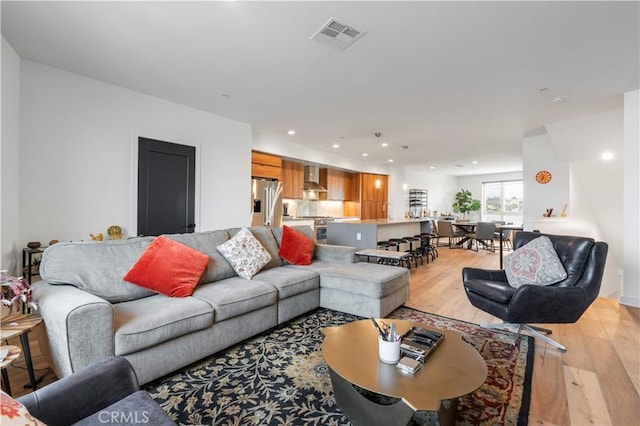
586	403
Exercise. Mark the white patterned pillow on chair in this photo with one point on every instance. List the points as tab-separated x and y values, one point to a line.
535	263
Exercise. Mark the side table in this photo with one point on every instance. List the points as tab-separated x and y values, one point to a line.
14	353
19	325
28	268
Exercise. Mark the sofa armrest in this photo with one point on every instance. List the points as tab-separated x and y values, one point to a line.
83	393
79	326
335	253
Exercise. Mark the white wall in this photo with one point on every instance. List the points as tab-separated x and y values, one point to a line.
78	156
631	223
442	188
10	248
539	154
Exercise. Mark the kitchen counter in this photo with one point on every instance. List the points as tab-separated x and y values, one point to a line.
384	222
365	234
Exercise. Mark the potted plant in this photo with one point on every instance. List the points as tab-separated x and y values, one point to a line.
465	203
15	289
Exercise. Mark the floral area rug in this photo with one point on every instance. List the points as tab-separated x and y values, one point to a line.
280	378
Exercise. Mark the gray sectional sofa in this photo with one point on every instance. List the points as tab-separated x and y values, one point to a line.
91	313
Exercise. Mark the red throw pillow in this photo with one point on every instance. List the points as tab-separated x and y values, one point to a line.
296	248
168	267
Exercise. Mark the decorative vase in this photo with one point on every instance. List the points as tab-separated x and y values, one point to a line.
34	244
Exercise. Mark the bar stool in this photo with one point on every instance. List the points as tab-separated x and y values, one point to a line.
399	241
415	254
386	245
429	247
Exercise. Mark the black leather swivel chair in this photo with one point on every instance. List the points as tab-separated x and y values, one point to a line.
106	392
563	302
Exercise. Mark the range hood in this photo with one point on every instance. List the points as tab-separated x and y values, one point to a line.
311	178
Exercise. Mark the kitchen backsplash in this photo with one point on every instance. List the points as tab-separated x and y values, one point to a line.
298	208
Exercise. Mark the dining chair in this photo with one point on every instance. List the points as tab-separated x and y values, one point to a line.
507	234
484	235
445	230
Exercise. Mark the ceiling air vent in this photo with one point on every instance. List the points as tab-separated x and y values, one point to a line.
337	35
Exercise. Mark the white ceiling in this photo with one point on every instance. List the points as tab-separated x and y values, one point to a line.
455	81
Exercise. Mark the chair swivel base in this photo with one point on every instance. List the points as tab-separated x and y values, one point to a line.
532	330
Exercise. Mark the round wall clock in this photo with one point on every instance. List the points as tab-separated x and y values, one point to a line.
543	176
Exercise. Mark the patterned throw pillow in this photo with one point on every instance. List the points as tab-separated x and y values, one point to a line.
245	253
14	413
535	263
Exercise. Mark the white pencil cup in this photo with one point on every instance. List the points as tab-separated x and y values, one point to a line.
388	352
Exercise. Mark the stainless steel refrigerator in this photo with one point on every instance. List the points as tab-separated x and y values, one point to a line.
266	202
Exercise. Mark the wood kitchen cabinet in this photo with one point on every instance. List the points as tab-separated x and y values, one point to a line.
292	179
266	165
373	200
351	182
333	181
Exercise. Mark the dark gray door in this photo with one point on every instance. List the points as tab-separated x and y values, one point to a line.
166	187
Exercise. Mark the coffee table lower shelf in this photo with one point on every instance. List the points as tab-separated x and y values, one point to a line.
363	411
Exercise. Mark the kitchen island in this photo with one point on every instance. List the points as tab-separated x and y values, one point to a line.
365	234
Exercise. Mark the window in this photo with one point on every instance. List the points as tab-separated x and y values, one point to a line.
502	201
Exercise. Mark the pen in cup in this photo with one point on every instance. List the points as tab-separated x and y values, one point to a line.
380	332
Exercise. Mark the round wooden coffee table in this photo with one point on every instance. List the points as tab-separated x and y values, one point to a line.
351	351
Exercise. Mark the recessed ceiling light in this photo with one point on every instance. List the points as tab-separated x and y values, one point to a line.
544	89
384	144
225	95
474	162
557	99
390	160
459	165
364	154
607	155
291	132
335	145
432	167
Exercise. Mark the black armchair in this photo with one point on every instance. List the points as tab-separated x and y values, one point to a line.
563	302
106	392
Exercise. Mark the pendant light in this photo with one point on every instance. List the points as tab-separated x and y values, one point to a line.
405	186
378	183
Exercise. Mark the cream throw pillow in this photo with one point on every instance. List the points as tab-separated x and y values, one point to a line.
245	253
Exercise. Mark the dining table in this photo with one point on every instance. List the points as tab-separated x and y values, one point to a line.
500	230
467	228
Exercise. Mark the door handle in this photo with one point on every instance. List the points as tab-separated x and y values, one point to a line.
191	226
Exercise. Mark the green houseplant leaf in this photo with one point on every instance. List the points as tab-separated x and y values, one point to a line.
465	202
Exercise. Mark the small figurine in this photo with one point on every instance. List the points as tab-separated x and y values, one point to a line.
115	232
98	237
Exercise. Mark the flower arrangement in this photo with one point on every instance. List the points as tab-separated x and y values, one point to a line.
14	289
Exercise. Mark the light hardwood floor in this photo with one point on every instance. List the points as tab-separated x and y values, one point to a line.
596	382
